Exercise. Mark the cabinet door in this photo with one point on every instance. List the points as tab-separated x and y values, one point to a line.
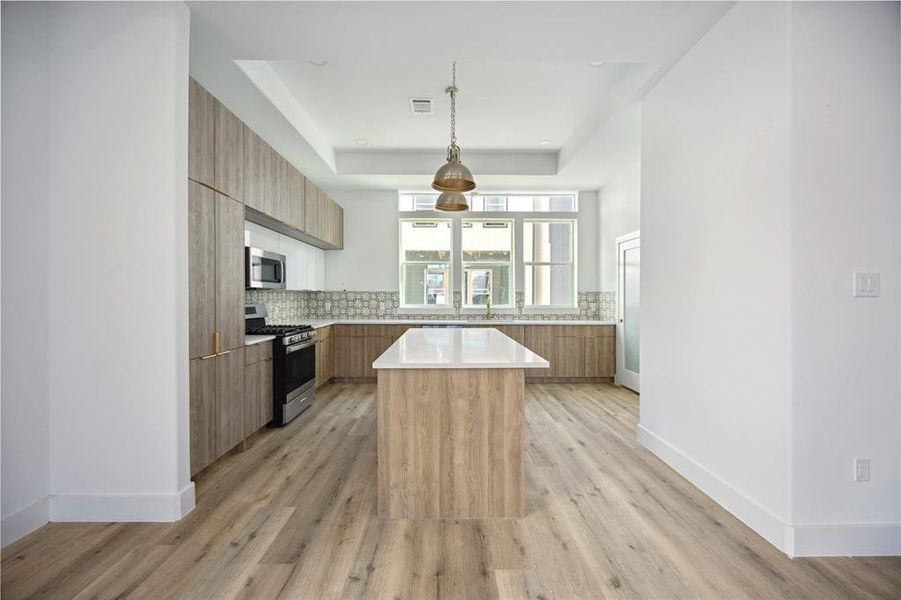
569	356
229	272
324	361
540	339
349	352
311	208
278	191
256	168
339	227
257	395
201	269
599	356
295	198
201	133
229	154
374	346
202	403
229	400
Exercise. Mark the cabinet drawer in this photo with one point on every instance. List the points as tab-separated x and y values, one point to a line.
257	352
349	330
324	333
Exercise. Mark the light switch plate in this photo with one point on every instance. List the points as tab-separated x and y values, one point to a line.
866	284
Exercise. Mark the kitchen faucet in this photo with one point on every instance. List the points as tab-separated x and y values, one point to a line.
488	314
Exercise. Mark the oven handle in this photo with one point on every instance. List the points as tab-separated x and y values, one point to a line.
301	346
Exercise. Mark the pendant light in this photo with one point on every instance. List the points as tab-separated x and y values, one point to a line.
451	202
453	176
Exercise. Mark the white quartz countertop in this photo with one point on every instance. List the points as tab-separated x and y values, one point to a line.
250	340
449	348
317	323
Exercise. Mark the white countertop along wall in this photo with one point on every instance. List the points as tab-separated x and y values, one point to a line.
451	348
318	323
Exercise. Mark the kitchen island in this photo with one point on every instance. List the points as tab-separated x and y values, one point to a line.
450	424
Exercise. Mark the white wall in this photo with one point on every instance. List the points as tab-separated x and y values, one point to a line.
619	208
370	256
369	260
715	321
846	217
25	264
770	173
588	276
116	239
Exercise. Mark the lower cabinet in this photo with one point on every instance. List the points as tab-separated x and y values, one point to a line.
349	350
574	351
216	406
325	356
257	387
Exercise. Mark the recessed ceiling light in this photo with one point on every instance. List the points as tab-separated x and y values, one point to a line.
595	63
544	142
360	142
319	63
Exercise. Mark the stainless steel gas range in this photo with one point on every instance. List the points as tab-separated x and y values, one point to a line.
293	364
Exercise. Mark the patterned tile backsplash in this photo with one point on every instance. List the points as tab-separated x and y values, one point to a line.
286	306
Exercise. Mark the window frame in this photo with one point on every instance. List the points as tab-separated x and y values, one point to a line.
518	218
573	253
449	307
511	263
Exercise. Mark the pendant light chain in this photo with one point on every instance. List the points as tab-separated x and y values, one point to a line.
453	95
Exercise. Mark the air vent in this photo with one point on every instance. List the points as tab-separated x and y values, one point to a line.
421	106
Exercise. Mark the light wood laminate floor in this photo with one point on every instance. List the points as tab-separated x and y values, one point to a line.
294	516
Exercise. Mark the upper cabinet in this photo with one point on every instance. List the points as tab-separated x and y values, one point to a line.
201	134
227	156
323	218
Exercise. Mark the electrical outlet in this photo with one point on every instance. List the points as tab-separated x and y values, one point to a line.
328	306
866	284
381	307
861	469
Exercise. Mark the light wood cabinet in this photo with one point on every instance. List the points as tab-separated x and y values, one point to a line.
201	134
229	272
325	356
257	387
201	269
257	172
215	270
228	156
216	406
295	195
312	215
574	351
349	351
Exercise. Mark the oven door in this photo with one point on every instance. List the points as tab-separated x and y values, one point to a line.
264	269
300	369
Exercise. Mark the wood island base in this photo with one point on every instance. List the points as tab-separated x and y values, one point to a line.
450	443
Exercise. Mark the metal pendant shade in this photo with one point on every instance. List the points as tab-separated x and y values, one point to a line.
453	177
451	202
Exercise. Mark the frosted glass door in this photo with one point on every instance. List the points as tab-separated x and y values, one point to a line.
628	363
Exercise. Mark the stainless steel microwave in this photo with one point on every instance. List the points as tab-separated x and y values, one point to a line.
264	269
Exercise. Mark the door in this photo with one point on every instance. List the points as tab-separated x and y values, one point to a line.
628	251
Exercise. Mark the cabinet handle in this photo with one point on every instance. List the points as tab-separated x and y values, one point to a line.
216	343
208	356
223	353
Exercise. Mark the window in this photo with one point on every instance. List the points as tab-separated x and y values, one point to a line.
425	263
548	263
507	243
487	262
528	203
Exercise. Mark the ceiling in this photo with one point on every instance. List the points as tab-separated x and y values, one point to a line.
571	74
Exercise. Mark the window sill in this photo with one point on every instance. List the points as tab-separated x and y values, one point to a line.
480	310
421	310
556	310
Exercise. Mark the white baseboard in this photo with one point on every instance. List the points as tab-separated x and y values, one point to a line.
106	508
24	521
761	520
876	539
842	539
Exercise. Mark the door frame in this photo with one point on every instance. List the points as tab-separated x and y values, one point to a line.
629	380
